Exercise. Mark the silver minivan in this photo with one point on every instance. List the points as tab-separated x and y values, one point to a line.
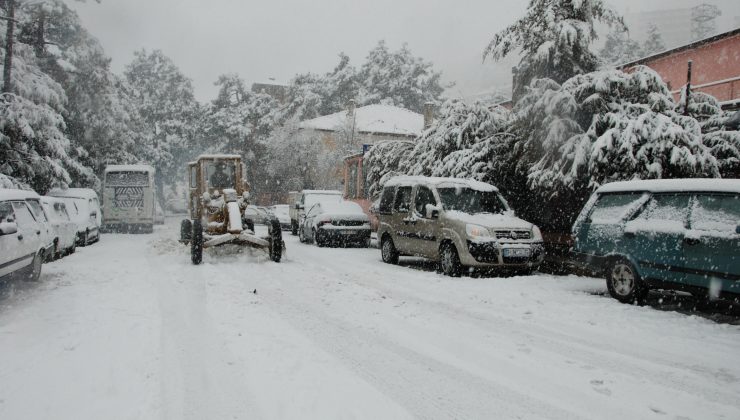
459	223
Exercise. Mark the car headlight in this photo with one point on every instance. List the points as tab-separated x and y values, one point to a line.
477	231
536	234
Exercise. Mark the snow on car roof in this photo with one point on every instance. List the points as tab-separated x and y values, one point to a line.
219	156
129	168
341	207
440	182
73	193
674	185
379	119
13	194
323	192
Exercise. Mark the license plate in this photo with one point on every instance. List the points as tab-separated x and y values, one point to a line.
516	252
348	232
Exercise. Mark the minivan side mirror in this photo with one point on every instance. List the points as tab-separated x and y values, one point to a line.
432	211
8	228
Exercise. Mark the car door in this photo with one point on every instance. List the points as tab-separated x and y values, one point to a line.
29	231
422	238
400	219
309	219
602	231
712	247
11	249
48	233
654	239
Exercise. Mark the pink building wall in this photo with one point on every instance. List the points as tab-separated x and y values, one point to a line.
715	63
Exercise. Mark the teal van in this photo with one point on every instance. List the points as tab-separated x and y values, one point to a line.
680	234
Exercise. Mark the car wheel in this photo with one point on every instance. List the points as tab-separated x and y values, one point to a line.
196	243
35	272
302	236
624	283
58	252
317	239
293	228
449	261
388	250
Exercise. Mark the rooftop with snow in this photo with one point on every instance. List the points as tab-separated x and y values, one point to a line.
373	119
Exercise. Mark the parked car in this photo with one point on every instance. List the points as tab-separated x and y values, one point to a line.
307	198
282	212
681	234
330	223
23	241
83	208
458	223
64	229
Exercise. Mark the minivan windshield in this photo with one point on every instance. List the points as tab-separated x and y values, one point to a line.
471	201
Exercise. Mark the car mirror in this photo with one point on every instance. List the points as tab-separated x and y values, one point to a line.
432	211
8	228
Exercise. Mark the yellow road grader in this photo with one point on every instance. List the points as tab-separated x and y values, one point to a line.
218	197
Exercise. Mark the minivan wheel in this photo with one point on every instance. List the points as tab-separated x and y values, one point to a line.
388	250
449	260
624	283
36	267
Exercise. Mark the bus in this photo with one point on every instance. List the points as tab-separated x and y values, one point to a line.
129	198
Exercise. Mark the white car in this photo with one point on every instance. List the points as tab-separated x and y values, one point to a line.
282	212
83	208
23	238
63	228
335	223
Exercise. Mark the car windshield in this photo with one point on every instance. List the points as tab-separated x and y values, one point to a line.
471	201
312	199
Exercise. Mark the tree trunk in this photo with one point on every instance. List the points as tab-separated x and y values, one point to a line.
7	70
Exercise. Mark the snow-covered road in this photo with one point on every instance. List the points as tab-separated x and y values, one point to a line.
129	329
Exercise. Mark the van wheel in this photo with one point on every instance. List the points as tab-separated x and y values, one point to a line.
35	273
624	283
56	253
449	260
196	243
388	250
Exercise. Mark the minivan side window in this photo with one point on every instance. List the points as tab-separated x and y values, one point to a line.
6	212
424	196
386	200
23	216
403	200
38	212
719	213
672	208
613	208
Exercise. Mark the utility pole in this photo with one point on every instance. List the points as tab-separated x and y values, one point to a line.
688	90
7	70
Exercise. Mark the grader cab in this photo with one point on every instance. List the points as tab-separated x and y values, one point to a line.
219	195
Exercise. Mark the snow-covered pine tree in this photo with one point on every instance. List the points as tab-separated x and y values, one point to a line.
554	37
382	162
398	78
619	49
34	147
654	42
169	111
445	149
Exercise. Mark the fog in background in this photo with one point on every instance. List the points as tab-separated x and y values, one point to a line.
275	39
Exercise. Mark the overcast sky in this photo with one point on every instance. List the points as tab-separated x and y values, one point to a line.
262	39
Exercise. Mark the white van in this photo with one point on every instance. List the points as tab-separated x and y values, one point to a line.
304	200
63	228
83	208
129	199
23	238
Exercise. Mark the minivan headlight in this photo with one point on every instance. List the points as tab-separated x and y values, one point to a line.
477	231
536	233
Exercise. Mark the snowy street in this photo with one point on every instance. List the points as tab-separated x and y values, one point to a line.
129	329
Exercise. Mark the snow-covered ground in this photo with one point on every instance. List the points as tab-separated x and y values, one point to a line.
129	329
